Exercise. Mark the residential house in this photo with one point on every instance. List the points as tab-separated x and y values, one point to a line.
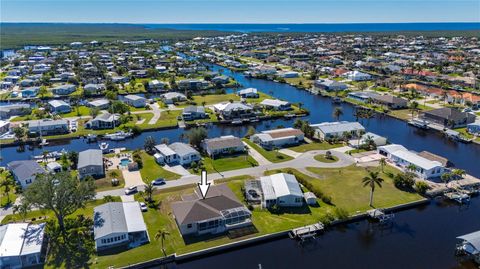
276	104
281	190
474	128
329	130
364	97
64	89
248	93
193	84
278	138
22	245
364	139
90	163
48	127
4	127
390	101
135	100
119	224
173	97
220	80
288	74
176	153
59	106
357	76
235	110
448	117
103	121
53	167
223	145
99	103
8	111
193	113
30	92
219	212
25	171
94	88
156	86
329	85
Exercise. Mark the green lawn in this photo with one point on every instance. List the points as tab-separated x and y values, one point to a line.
167	119
212	99
82	111
105	184
152	170
271	155
228	163
314	146
11	197
322	158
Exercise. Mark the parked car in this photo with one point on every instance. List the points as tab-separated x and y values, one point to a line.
131	190
159	181
143	207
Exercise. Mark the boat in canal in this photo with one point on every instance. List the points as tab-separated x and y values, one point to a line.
118	136
104	147
422	124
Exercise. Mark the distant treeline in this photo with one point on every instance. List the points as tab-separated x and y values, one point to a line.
17	35
432	33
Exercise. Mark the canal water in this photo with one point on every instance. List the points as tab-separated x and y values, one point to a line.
465	156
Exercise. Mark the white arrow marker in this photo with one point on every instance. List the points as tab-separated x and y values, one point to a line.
204	185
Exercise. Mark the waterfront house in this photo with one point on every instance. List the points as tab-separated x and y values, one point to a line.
248	93
119	224
14	110
48	127
474	128
173	97
59	106
22	245
363	140
390	101
235	110
401	157
329	130
448	117
156	86
193	113
90	163
99	103
329	85
219	212
135	100
64	89
176	153
223	145
281	190
4	127
94	88
103	121
220	80
192	84
357	76
276	104
288	74
278	138
363	97
30	92
25	171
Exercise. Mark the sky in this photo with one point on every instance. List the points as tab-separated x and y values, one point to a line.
239	11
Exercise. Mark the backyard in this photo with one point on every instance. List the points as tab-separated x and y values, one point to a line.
151	170
271	155
228	163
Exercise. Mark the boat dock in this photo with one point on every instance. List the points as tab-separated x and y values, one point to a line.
306	232
457	196
380	216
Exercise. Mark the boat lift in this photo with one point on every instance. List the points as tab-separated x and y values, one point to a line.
458	196
380	216
306	232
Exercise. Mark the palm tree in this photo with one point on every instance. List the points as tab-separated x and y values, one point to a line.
458	173
371	180
413	107
337	112
446	177
7	187
383	162
411	168
162	234
149	188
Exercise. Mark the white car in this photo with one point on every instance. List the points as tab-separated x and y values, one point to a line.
131	190
143	207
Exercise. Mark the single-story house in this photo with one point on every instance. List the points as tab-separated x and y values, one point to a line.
193	113
99	103
278	138
329	85
474	128
364	97
135	100
4	126
64	89
156	86
30	92
288	74
172	97
233	110
221	79
219	212
176	153
378	140
22	245
119	223
8	111
448	117
276	104
48	127
327	130
193	84
223	145
94	88
390	101
90	163
25	171
103	121
357	76
54	167
282	190
248	93
59	106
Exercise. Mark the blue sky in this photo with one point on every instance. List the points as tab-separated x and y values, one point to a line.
239	11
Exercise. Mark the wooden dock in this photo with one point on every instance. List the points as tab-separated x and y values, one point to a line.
306	232
379	215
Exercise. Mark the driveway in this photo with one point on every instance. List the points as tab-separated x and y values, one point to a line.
256	155
177	169
156	113
132	178
290	153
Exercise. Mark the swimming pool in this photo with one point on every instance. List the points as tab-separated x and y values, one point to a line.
125	162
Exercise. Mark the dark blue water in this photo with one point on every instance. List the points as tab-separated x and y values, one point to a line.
324	27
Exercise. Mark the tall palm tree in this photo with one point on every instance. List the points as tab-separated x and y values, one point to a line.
371	180
161	235
413	107
149	188
337	112
7	187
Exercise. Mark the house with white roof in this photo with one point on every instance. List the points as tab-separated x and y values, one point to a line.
378	140
357	76
59	106
276	104
64	89
99	103
176	153
48	127
135	100
119	223
172	97
22	245
282	190
329	130
400	156
248	93
278	138
233	110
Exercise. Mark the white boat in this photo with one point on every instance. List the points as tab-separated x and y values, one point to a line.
422	124
237	121
91	137
104	147
43	142
118	136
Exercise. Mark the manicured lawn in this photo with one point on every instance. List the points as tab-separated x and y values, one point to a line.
212	117
273	156
11	197
104	184
314	146
82	111
167	119
212	99
152	170
228	163
322	158
463	131
345	187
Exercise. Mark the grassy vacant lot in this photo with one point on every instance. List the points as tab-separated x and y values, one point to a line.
105	184
212	99
314	146
152	170
228	163
271	155
345	187
82	111
167	119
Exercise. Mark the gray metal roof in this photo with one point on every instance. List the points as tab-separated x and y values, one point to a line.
182	149
25	168
90	157
194	109
117	217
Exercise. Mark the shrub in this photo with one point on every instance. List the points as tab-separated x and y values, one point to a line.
341	213
421	187
327	199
